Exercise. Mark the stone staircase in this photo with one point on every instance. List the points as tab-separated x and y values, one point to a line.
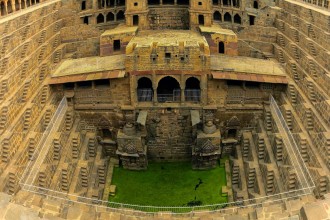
268	120
84	177
292	94
311	32
42	37
68	120
24	48
288	119
235	175
27	120
3	118
295	52
245	148
270	182
260	144
57	149
295	36
279	149
251	178
92	147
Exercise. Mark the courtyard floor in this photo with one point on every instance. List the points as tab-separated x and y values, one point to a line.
169	184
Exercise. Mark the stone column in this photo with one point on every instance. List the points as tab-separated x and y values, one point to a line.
203	86
133	88
154	87
6	8
182	87
94	4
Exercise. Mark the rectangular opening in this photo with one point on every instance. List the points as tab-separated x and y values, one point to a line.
252	85
84	84
102	83
116	45
234	83
168	55
251	19
68	85
85	20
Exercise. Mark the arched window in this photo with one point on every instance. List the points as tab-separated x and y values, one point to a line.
17	6
221	47
192	90
215	2
2	7
217	16
110	17
201	19
110	3
135	20
255	5
120	16
226	2
168	90
22	4
100	19
227	17
101	3
231	133
236	3
153	2
83	5
145	91
85	19
120	2
237	19
9	7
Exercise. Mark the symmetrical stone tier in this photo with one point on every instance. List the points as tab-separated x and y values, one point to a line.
36	40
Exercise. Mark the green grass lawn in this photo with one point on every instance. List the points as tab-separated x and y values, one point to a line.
168	184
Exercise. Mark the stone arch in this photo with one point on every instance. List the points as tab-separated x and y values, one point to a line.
217	16
100	18
168	89
103	122
144	89
236	3
23	5
2	8
237	19
227	17
83	5
110	17
233	122
101	3
255	4
9	7
120	2
192	89
120	15
17	5
233	125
